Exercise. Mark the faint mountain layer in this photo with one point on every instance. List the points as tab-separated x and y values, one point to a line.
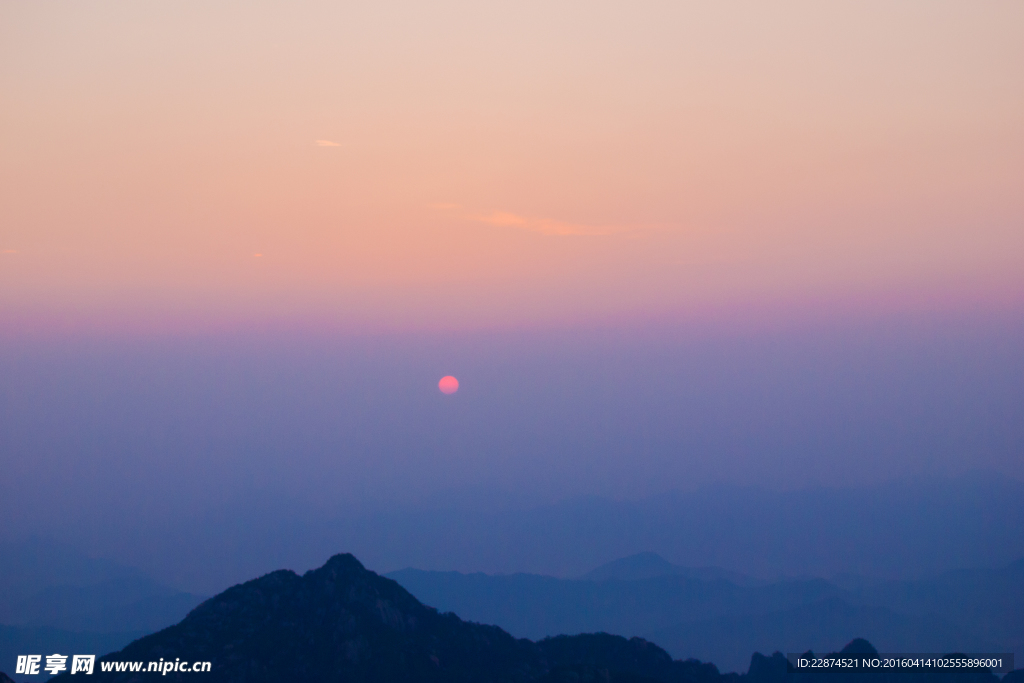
723	622
532	606
650	565
45	584
55	599
990	601
895	530
31	565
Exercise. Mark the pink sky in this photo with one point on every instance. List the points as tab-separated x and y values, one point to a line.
459	164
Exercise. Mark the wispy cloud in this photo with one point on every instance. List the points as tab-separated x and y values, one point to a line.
544	226
327	143
9	251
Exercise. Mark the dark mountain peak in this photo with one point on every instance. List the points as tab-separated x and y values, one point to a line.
764	668
345	579
340	621
342	564
344	622
342	594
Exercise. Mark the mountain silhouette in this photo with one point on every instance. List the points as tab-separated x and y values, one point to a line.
342	622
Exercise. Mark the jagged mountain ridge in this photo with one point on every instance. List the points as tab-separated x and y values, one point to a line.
343	622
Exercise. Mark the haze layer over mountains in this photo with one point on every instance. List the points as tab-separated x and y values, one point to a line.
342	622
717	616
740	590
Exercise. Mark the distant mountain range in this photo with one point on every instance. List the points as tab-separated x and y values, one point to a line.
650	565
902	529
707	613
56	599
342	622
895	530
51	595
701	613
46	584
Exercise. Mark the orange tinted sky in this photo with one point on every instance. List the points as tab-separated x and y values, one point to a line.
407	164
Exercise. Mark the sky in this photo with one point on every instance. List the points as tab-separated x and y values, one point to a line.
401	166
661	245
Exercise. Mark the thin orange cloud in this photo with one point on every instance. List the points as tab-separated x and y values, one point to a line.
543	226
9	251
327	143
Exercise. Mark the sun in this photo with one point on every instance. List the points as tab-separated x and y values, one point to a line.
448	385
